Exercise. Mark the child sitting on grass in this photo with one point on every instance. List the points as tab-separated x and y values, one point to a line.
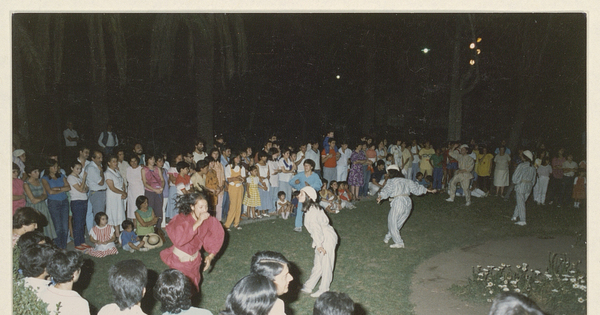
344	204
127	280
129	239
284	207
328	200
421	180
344	193
103	235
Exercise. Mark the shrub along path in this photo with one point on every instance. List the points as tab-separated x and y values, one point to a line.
432	278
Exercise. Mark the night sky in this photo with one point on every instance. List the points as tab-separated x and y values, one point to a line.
290	86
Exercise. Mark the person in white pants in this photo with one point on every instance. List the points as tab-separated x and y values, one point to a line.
524	179
541	187
324	241
398	189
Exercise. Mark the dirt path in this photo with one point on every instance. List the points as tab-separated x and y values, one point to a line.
433	277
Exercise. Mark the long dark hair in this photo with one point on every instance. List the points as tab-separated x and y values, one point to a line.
310	203
185	202
254	294
49	164
232	162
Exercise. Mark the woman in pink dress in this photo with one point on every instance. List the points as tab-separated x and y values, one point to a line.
191	230
18	191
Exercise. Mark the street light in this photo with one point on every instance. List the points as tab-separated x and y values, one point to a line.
425	50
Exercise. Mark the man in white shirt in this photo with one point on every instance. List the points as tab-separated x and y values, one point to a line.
199	153
312	153
97	193
300	157
342	163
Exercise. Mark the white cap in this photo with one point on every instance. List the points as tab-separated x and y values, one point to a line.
528	154
393	167
310	192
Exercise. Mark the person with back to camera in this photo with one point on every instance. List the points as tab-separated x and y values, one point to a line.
254	294
276	268
398	189
333	303
324	240
464	173
33	262
127	281
64	269
191	230
174	292
510	303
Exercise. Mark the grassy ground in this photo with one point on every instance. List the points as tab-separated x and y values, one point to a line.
376	277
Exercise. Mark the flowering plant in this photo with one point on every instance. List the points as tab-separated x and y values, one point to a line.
562	288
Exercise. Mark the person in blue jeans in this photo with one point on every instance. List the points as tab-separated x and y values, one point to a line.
56	185
301	180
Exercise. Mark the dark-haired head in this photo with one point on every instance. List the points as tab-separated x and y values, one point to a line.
51	164
99	216
333	303
25	216
28	168
34	259
185	202
268	263
31	238
201	164
181	166
174	291
253	294
63	265
127	280
310	162
126	224
140	200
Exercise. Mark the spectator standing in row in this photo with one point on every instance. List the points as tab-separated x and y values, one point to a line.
71	138
108	140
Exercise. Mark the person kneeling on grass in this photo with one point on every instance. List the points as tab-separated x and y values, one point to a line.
127	280
129	239
398	189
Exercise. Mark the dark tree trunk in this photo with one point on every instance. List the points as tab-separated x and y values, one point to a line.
205	81
455	111
98	67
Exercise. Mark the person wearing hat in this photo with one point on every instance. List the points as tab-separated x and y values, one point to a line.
398	189
19	159
324	241
524	180
464	173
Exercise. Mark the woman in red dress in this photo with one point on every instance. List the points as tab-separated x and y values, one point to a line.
190	230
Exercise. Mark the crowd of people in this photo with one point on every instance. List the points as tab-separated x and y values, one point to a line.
125	197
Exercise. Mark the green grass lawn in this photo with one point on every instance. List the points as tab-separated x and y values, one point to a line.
376	277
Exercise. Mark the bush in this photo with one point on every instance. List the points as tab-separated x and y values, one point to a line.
25	301
562	288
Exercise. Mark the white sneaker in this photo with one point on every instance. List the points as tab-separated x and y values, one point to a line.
317	294
386	240
513	219
131	251
397	246
305	290
143	249
298	229
468	203
521	223
450	199
266	215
